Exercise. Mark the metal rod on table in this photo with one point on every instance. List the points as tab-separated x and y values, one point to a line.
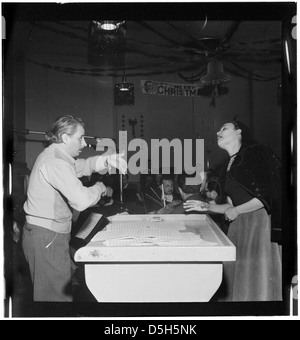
121	189
163	195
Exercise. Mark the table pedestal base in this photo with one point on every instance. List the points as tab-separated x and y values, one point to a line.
153	282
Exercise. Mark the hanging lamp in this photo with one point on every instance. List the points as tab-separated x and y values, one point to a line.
110	25
124	85
106	41
215	74
215	78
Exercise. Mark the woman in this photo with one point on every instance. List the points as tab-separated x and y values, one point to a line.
256	273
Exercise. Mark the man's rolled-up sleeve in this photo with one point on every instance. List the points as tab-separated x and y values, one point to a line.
85	167
62	177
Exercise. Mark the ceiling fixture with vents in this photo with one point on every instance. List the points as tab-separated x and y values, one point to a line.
124	86
110	25
215	78
215	74
124	92
106	43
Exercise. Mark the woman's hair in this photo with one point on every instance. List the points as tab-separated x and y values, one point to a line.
247	138
214	184
64	124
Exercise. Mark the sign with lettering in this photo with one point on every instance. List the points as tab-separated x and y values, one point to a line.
168	89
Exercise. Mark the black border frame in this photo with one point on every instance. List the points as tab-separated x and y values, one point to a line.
282	11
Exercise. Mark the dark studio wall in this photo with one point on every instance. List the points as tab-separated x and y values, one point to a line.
35	94
42	93
50	93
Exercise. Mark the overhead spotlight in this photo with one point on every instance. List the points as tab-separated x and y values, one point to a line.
110	25
124	86
106	43
124	93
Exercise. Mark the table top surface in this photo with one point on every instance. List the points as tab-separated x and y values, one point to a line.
158	238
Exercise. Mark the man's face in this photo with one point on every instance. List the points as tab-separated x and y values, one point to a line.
168	187
75	143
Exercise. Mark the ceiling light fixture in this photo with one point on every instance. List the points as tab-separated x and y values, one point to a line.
106	43
215	74
124	92
215	78
124	86
109	25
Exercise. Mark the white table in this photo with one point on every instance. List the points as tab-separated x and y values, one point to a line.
156	273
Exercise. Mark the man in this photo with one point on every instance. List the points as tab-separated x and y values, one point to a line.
165	195
54	189
168	193
187	192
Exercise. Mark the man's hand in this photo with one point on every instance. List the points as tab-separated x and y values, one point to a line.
117	161
102	188
109	191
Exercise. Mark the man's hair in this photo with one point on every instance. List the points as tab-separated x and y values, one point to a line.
167	178
214	183
64	124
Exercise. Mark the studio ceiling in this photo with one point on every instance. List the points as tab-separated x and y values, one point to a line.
162	47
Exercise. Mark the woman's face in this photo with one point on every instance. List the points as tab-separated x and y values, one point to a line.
228	134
